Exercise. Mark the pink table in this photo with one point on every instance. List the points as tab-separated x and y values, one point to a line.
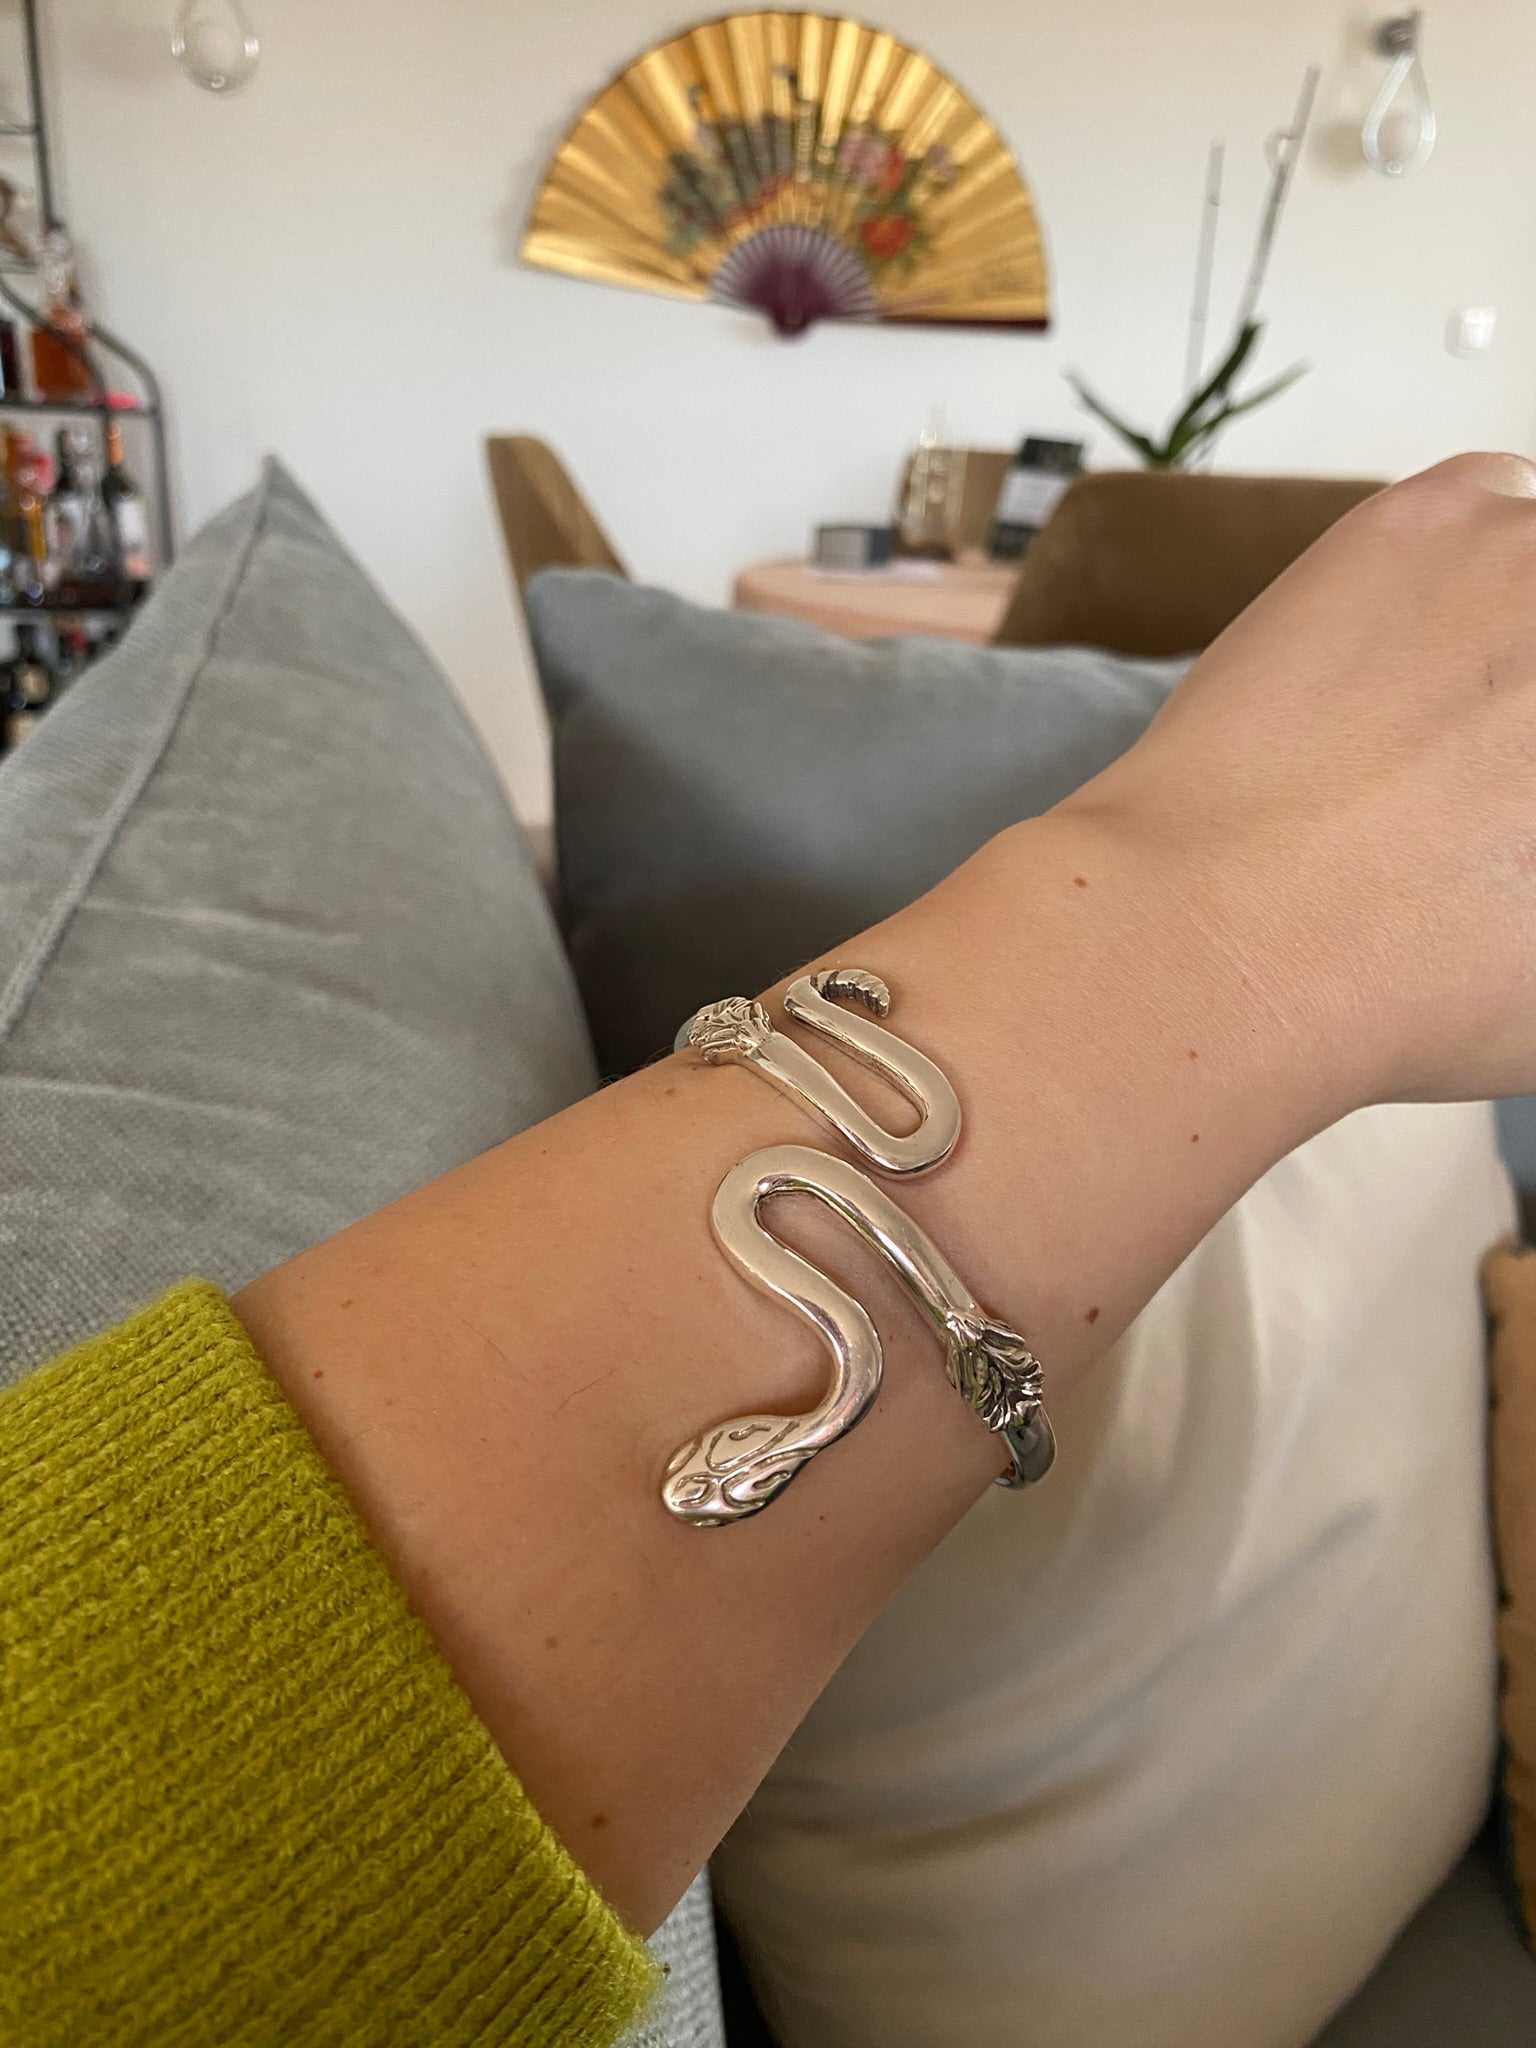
957	600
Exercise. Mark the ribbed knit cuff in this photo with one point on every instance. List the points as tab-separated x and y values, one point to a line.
242	1799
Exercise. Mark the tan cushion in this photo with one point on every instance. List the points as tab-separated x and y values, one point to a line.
1509	1280
1158	562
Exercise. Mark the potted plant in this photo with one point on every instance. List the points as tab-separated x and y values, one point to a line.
1213	401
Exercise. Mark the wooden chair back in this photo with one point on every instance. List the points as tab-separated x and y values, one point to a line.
1155	562
546	522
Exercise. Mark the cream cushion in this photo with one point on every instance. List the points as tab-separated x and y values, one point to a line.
1164	1753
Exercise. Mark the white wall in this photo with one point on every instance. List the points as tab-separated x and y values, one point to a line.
325	266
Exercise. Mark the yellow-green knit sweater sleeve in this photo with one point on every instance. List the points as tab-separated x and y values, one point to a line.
242	1799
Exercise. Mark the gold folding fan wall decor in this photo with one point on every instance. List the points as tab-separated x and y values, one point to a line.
804	165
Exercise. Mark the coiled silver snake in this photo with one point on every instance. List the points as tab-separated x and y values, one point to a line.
735	1468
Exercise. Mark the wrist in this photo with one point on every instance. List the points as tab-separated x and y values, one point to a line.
1126	1071
1215	950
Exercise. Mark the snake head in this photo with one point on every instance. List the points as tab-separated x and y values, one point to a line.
993	1368
733	1029
733	1470
854	985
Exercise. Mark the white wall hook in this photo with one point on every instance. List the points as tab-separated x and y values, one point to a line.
1397	138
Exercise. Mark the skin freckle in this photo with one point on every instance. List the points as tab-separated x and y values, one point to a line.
1194	1137
599	1820
320	1375
551	1642
1092	1316
1193	1054
1080	881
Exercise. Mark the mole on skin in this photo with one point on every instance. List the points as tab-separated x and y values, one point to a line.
1092	1316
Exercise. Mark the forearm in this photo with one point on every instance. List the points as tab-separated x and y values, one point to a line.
499	1366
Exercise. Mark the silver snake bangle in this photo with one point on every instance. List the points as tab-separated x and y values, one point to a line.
740	1030
736	1467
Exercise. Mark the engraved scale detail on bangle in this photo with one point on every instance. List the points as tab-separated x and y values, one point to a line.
735	1468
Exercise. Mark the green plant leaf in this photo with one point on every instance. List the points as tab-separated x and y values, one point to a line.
1186	437
1216	386
1265	391
1145	448
1207	429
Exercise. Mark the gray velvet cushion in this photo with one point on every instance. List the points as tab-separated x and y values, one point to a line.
272	950
735	792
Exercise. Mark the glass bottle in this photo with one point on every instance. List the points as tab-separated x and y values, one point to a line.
72	643
10	521
33	582
10	361
130	522
32	679
80	532
12	528
61	361
21	520
928	499
29	688
15	723
64	510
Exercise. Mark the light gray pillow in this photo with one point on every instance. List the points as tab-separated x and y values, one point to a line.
271	953
735	792
272	950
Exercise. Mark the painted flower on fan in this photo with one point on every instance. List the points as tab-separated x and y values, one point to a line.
862	156
940	165
887	181
886	234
